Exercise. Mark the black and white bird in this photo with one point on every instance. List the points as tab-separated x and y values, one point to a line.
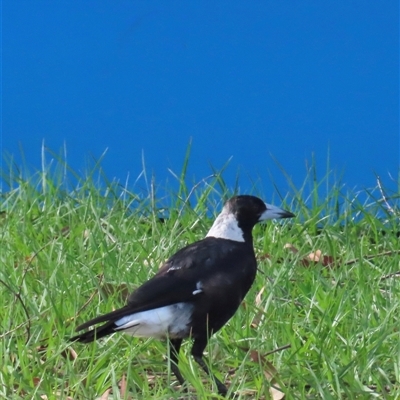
197	290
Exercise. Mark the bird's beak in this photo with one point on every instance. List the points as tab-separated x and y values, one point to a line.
273	212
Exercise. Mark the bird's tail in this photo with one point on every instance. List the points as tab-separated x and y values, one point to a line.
94	334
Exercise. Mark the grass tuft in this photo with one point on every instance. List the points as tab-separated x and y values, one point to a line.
321	321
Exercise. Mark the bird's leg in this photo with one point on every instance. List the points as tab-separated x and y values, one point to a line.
197	352
174	347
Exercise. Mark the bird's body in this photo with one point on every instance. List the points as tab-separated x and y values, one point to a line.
198	289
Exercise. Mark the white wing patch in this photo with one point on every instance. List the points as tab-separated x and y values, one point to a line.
199	288
173	268
172	321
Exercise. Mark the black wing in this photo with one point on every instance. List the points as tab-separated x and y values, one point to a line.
176	280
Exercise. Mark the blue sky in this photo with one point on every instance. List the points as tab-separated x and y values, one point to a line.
251	80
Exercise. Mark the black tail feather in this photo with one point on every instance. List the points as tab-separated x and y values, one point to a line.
111	316
94	334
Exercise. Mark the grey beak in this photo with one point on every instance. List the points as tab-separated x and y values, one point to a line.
273	212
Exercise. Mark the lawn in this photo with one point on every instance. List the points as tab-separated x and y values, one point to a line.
322	320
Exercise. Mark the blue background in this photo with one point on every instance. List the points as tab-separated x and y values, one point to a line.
251	80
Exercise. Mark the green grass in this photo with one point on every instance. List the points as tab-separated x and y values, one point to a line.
69	250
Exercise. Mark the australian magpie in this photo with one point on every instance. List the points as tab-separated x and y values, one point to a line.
197	290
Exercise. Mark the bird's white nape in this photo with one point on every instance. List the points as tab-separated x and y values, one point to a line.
226	227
